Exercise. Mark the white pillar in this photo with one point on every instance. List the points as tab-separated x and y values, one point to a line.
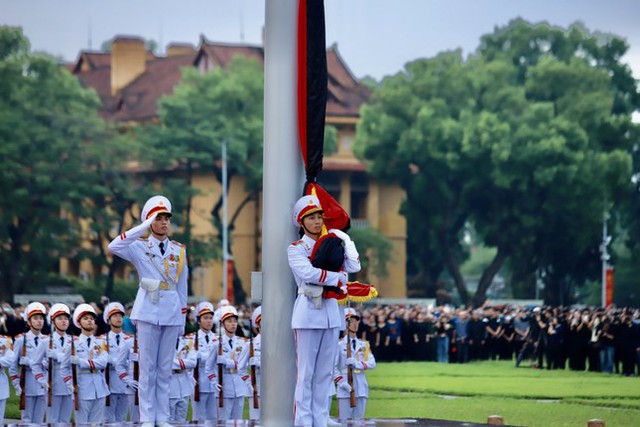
283	183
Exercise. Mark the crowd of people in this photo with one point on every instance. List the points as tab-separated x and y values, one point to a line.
591	339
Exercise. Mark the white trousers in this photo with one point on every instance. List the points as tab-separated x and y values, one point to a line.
178	410
349	413
206	409
34	408
90	411
60	409
156	346
254	413
134	410
315	353
3	405
118	408
232	408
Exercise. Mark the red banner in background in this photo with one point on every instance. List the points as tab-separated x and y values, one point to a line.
229	268
608	287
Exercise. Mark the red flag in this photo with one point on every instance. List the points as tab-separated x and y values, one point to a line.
312	84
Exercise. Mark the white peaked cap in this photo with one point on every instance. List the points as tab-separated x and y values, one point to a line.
155	205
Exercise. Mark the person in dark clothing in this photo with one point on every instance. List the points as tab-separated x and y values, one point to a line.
606	343
461	336
393	340
578	336
628	338
477	336
555	340
494	330
507	338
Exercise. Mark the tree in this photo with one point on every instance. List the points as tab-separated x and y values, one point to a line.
513	144
47	121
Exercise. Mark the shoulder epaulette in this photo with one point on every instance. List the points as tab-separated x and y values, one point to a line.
129	336
103	336
18	336
191	334
179	244
143	238
297	242
245	339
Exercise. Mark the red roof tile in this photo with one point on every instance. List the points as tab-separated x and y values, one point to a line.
138	100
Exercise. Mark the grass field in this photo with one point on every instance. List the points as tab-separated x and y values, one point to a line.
523	396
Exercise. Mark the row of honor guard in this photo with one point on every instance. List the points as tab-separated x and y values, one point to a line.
105	368
55	374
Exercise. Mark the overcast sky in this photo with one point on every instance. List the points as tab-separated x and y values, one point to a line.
375	37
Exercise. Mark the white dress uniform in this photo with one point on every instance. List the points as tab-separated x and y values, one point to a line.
316	330
235	355
182	380
92	355
7	357
254	413
119	401
62	384
207	408
125	359
35	395
364	361
160	307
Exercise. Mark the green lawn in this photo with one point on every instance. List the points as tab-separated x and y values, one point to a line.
523	396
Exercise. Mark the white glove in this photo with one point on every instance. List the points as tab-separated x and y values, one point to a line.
132	384
249	389
217	386
254	361
344	385
70	387
44	384
227	363
110	360
343	279
133	357
340	235
351	361
75	360
18	389
25	361
203	356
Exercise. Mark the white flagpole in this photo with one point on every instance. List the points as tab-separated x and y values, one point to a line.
282	183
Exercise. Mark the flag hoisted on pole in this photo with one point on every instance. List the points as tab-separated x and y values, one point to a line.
312	84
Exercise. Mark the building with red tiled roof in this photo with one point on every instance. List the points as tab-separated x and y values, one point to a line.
130	80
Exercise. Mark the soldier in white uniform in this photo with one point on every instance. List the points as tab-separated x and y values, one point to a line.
182	380
206	409
90	359
126	357
254	362
119	401
235	355
160	307
316	321
60	353
361	360
35	401
7	357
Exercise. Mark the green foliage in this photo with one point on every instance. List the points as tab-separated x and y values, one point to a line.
374	250
47	121
525	140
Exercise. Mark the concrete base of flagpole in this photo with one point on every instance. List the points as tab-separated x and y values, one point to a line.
596	423
495	420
